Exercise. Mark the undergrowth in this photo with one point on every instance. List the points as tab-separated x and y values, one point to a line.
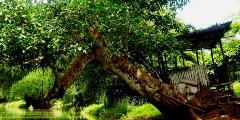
236	88
122	110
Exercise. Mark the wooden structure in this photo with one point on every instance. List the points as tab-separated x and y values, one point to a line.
208	39
189	80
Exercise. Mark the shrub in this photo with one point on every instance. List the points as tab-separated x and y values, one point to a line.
70	98
236	88
8	76
34	85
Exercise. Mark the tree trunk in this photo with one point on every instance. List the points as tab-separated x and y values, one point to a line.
203	105
160	94
171	103
61	84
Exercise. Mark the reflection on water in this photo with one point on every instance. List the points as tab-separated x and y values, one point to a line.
22	114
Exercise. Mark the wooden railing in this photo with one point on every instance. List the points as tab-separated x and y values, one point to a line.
188	80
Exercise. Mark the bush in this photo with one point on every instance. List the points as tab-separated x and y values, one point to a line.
8	76
33	86
236	88
70	98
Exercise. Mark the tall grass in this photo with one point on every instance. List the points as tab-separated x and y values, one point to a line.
143	111
122	110
114	113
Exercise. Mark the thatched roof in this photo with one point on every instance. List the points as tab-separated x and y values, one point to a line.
206	38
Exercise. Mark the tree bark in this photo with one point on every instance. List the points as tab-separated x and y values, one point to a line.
171	103
160	94
61	83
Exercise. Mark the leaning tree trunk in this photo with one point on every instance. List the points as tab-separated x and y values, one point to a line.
160	94
61	83
203	105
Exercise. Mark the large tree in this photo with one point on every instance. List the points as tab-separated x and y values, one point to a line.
57	35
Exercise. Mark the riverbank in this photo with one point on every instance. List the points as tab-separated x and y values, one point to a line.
122	111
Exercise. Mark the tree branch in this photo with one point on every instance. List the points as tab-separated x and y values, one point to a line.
76	66
53	67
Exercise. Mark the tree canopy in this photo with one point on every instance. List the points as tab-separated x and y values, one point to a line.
58	30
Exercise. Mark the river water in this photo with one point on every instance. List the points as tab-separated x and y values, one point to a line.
22	114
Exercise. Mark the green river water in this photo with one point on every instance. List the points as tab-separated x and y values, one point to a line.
22	114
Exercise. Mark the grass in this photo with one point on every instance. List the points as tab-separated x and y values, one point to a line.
57	105
146	110
90	111
114	113
12	105
123	111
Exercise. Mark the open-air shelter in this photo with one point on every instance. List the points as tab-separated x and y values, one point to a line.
204	39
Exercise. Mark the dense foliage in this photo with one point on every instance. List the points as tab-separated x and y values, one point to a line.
58	30
32	32
236	88
88	90
8	76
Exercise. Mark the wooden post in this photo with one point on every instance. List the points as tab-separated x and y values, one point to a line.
202	57
214	66
165	65
197	56
183	60
225	63
220	43
175	62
